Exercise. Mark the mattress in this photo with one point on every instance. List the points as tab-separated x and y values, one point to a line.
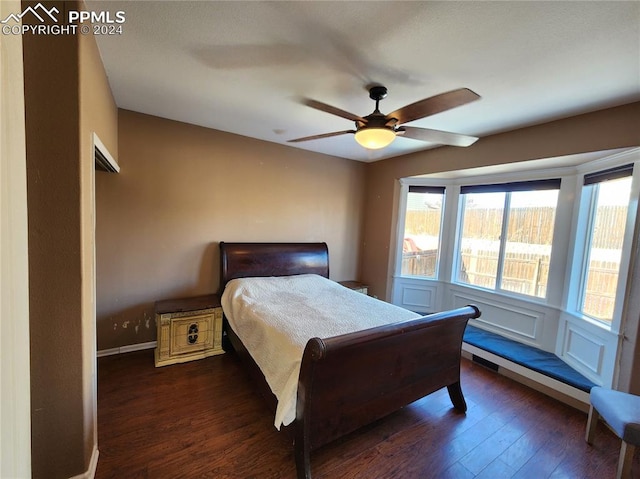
274	318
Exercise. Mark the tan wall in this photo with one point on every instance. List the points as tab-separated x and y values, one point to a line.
55	270
183	189
601	130
98	115
66	99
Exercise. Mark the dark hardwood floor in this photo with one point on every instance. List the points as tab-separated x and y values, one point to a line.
203	420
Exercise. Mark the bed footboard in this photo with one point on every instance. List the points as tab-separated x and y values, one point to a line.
352	380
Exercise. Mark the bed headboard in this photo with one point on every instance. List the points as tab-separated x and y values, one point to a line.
242	260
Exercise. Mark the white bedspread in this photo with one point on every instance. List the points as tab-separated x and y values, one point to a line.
275	317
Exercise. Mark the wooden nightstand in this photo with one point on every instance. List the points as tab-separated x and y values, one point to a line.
188	329
356	286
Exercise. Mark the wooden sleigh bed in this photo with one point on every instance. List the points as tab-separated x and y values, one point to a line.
350	380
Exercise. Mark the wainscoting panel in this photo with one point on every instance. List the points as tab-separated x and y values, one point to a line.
588	348
584	350
417	294
528	323
524	321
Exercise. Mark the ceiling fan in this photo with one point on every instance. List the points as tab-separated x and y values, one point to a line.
378	130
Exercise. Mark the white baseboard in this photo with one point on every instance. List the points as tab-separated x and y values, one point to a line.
108	352
127	349
93	466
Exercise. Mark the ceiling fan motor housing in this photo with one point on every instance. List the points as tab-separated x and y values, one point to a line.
377	92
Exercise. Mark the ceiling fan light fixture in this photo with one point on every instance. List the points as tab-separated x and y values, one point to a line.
375	138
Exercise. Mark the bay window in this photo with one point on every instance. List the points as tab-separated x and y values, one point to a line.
547	250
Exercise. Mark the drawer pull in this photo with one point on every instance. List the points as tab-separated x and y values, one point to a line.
192	336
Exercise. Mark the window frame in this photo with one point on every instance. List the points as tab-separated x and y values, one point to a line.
507	188
405	186
586	216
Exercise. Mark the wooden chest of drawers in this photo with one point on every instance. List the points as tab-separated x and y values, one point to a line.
188	329
356	286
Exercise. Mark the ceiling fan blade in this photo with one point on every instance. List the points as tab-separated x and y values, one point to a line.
324	135
333	110
436	136
435	104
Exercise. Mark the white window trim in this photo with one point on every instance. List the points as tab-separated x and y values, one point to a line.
402	216
449	227
587	205
550	298
578	264
502	249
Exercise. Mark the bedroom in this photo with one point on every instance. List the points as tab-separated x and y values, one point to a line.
144	241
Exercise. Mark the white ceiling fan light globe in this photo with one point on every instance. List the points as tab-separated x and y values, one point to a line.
375	138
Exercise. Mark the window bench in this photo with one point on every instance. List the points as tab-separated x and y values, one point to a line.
538	369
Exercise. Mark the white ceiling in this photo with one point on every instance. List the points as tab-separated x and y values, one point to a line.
243	67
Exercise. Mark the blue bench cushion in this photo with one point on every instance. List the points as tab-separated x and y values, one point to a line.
532	358
620	410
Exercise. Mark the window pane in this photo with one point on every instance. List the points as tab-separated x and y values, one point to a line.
605	248
480	240
529	237
421	234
